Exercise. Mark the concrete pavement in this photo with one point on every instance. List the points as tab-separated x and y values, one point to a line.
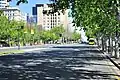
115	61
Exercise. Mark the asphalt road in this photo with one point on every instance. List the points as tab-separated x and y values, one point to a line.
63	62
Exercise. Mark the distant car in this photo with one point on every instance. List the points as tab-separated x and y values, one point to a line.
91	41
58	42
4	44
84	42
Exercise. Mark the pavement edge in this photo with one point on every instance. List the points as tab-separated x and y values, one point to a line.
11	52
114	62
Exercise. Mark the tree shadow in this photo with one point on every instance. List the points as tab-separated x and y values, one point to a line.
59	64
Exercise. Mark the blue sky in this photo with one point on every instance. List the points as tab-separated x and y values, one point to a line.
27	8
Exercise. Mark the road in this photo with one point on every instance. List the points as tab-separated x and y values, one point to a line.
60	62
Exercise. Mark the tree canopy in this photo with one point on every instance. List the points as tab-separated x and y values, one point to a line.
96	16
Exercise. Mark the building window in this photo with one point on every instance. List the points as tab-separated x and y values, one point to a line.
3	3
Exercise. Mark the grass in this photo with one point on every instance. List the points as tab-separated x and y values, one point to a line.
10	52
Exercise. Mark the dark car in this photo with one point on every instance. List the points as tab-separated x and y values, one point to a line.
4	44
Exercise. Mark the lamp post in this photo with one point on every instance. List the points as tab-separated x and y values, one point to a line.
25	32
18	40
18	29
32	33
9	34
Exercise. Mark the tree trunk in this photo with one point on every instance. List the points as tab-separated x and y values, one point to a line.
117	49
100	43
103	45
112	48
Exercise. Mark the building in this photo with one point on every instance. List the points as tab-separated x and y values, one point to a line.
14	13
4	4
47	20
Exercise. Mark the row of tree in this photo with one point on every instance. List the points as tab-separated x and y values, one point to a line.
18	32
9	29
99	18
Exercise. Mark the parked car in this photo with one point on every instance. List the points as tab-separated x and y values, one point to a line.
4	44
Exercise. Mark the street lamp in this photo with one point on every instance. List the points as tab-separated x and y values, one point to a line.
18	29
32	33
25	32
9	35
18	40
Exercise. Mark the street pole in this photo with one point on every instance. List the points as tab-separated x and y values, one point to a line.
24	41
18	41
9	40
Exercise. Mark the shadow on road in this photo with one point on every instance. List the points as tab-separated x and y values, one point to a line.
57	64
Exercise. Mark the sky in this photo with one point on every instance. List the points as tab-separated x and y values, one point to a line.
27	8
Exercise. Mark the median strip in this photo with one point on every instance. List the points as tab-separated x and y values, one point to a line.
10	52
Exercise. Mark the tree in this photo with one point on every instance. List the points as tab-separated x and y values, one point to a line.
53	34
99	17
75	36
1	12
4	28
58	30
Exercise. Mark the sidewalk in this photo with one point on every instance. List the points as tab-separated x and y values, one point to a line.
115	61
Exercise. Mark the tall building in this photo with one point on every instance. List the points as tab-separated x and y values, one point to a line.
4	4
14	13
47	20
